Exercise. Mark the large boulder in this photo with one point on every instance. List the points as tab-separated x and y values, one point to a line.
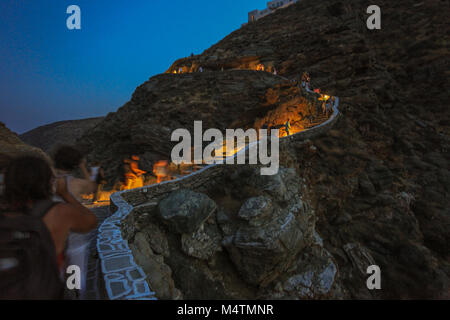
273	228
261	254
184	211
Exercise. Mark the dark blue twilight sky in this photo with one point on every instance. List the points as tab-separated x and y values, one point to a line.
49	73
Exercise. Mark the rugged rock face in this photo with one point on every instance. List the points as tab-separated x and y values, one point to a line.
222	100
271	235
58	133
379	183
154	267
256	239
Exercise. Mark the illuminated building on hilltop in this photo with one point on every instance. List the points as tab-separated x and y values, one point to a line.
271	7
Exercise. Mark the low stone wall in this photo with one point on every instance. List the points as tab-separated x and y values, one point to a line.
124	279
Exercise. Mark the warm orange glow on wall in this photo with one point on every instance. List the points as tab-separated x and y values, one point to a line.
160	170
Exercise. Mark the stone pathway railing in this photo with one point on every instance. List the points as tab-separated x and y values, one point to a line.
123	278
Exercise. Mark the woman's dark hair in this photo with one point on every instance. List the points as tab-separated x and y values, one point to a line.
28	178
4	161
67	158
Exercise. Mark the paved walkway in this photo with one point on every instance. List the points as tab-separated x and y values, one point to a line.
94	281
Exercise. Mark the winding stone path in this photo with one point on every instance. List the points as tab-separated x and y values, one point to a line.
94	282
123	278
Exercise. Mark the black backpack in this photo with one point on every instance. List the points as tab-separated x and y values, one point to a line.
28	265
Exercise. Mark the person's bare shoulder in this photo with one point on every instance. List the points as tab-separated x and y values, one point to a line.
77	221
59	217
62	210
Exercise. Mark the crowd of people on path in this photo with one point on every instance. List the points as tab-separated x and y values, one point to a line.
325	108
44	228
327	102
306	80
259	67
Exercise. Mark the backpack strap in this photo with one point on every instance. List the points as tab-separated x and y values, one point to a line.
40	208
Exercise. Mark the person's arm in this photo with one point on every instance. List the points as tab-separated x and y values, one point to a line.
89	186
82	222
84	170
101	173
82	219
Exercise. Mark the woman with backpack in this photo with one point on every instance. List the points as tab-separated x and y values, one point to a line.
34	230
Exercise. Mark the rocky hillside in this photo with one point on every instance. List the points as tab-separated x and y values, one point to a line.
11	146
58	133
229	99
379	183
241	236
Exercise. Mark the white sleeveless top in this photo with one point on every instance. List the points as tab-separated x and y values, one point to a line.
94	173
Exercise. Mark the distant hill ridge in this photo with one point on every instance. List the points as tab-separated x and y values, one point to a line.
62	132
